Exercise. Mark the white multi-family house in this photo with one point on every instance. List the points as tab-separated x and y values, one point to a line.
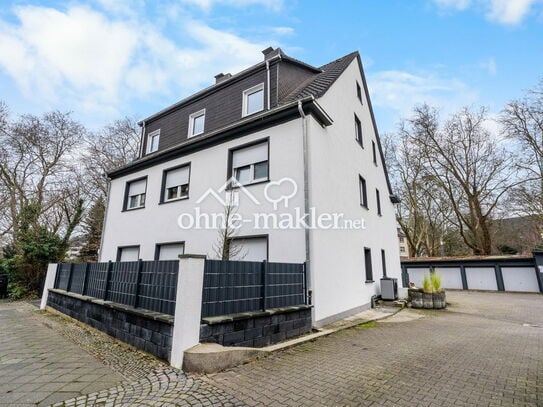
300	140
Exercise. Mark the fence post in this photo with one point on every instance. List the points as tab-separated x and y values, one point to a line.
69	285
108	277
57	275
138	282
264	271
304	282
188	306
50	280
85	279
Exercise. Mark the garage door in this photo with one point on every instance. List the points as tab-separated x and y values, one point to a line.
416	275
481	278
450	277
520	279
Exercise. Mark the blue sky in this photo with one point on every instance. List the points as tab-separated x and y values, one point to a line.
105	59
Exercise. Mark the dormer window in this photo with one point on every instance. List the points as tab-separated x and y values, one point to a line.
152	141
253	100
196	123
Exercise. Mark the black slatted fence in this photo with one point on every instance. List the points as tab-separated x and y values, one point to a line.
232	287
148	285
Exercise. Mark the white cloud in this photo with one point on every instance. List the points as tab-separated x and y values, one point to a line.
82	59
400	91
282	30
454	4
489	65
207	5
507	12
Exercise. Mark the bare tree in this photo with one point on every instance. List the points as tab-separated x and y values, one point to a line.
117	144
421	213
522	121
38	167
224	247
468	165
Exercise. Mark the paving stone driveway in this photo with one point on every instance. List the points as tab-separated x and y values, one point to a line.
485	350
477	353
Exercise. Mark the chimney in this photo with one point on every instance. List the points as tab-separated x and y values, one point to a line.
268	52
222	77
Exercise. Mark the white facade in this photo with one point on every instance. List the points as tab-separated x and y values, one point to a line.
335	161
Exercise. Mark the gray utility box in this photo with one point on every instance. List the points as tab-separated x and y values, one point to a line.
389	288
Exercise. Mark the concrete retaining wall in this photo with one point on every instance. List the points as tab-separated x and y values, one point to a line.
256	329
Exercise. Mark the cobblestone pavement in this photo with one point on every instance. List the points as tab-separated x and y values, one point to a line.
38	366
45	361
483	351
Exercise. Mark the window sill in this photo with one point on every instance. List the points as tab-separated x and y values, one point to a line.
365	207
251	114
359	143
173	200
133	209
247	185
369	281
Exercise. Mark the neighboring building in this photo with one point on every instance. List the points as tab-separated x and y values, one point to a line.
404	248
278	119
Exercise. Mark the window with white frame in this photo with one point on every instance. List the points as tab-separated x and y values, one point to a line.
152	141
135	194
197	122
253	100
169	251
176	183
250	164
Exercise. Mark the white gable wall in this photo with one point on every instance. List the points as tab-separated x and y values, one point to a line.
336	160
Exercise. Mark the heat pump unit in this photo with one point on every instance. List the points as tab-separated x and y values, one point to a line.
389	288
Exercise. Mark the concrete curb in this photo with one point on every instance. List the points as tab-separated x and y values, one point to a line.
213	358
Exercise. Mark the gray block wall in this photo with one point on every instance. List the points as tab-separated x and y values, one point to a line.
257	329
140	329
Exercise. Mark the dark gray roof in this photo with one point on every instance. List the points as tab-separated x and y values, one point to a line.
320	83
